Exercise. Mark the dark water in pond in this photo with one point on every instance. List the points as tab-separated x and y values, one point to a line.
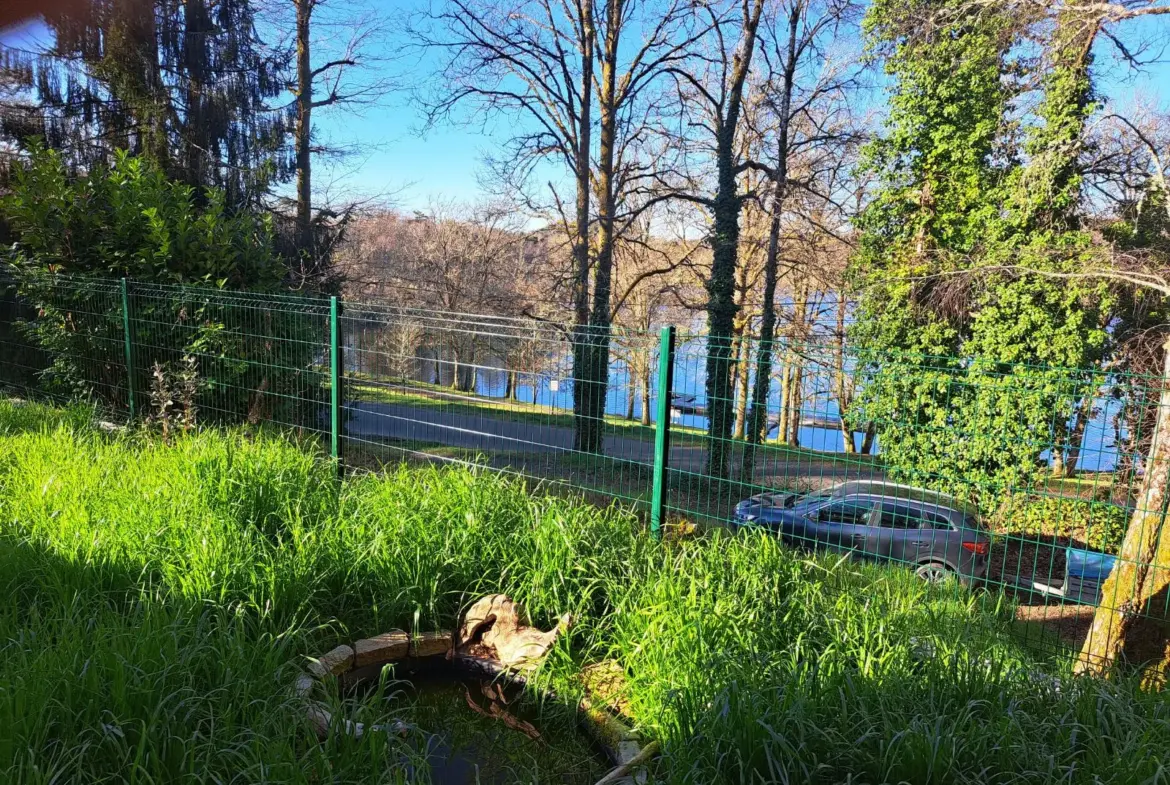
471	732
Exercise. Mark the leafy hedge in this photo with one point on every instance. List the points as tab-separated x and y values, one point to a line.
1097	524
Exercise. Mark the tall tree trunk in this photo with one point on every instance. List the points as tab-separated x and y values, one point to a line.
759	407
758	413
646	392
725	207
1059	444
599	324
586	430
742	373
1143	564
782	429
145	133
631	394
304	128
847	437
721	313
796	397
842	383
197	146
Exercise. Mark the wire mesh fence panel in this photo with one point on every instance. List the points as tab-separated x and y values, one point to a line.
66	336
21	359
1010	477
1044	489
237	357
426	386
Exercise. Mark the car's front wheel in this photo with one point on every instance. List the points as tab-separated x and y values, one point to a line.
934	572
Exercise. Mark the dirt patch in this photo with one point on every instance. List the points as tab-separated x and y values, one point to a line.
1016	562
1067	623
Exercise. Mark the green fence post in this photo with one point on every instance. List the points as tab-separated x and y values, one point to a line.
662	427
129	352
335	382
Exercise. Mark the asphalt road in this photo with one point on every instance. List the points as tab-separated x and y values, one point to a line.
374	422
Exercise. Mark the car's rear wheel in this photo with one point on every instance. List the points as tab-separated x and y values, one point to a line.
934	572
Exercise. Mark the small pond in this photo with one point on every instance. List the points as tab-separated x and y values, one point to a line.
470	731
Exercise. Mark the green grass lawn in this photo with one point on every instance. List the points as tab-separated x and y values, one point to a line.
159	599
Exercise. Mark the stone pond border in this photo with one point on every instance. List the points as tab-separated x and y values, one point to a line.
621	743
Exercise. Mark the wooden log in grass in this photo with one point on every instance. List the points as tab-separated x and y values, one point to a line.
648	752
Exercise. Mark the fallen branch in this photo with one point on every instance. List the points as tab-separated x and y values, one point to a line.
648	752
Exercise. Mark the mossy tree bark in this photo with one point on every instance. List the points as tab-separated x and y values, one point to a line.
1143	565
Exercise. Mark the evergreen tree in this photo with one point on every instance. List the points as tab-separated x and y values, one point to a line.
184	83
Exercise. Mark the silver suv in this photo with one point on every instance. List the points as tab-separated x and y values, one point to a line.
933	533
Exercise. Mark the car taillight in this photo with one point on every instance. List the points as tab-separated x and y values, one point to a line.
979	548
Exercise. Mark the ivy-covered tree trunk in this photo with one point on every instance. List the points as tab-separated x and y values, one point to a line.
758	416
722	308
1143	564
721	313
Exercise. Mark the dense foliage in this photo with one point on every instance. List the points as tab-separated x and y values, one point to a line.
969	374
129	219
188	86
1099	525
74	233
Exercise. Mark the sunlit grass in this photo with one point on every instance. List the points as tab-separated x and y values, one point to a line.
159	598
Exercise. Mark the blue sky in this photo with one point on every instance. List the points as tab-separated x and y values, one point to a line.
398	163
444	162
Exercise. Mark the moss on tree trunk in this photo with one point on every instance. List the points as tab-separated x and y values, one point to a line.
1129	619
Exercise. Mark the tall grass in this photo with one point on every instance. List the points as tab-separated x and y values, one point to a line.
160	597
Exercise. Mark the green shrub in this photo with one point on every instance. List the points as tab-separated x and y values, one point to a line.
180	248
130	220
1097	524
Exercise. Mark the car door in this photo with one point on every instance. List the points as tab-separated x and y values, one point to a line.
896	533
841	524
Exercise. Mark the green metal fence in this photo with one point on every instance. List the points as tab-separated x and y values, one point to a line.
1043	467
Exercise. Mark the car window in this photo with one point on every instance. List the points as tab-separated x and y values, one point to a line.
934	520
848	512
900	516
